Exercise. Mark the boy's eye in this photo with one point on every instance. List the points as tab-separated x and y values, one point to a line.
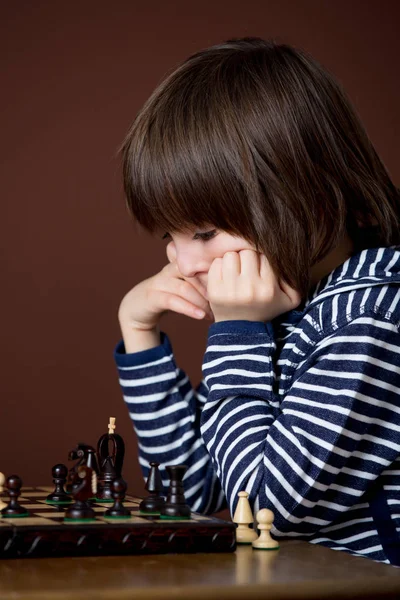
207	235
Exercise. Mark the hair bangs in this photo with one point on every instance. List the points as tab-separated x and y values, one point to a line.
186	165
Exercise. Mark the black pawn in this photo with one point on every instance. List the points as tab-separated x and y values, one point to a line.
154	502
13	508
59	496
175	506
118	490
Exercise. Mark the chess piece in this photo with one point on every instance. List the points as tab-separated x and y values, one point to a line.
84	487
110	461
107	476
153	503
59	496
265	518
86	457
244	518
13	508
175	507
2	481
118	490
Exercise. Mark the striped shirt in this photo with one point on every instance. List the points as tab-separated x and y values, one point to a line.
302	412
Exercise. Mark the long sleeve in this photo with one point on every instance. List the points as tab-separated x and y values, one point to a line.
165	412
311	452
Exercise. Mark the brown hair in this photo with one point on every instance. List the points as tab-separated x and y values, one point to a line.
257	139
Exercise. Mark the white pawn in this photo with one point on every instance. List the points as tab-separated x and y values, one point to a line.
2	481
265	518
244	517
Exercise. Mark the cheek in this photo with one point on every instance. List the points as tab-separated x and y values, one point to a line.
171	251
234	244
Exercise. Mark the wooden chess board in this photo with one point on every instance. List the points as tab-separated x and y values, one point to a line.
45	533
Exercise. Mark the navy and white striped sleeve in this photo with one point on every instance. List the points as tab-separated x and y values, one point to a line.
165	412
310	455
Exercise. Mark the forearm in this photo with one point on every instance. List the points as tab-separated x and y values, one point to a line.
165	413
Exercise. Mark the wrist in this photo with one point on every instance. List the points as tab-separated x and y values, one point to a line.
137	340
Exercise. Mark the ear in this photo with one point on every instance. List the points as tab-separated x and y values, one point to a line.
171	252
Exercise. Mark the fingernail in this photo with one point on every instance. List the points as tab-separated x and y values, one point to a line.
199	313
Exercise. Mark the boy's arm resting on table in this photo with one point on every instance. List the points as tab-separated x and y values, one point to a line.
310	455
165	411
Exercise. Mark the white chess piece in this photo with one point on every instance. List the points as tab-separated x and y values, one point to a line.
244	517
265	518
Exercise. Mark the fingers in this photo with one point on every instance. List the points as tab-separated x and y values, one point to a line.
172	271
180	305
183	296
234	264
186	290
230	265
247	281
250	263
266	271
197	285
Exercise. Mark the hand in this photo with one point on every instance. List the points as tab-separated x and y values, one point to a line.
243	286
143	306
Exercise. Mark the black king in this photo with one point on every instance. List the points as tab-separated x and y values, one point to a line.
110	454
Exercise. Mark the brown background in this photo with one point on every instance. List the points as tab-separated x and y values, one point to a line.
73	76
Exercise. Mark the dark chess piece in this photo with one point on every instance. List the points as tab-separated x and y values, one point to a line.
59	496
118	490
110	460
175	506
13	508
153	503
83	488
86	457
107	476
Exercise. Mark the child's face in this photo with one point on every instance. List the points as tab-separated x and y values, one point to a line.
194	252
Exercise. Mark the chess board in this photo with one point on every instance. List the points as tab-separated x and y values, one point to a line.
45	533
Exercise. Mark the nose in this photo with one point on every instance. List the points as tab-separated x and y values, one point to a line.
188	261
188	264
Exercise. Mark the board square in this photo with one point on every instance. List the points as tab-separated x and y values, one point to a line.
128	520
33	505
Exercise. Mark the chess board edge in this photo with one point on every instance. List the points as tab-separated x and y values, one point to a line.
45	533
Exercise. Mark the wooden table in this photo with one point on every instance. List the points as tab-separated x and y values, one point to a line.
298	571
